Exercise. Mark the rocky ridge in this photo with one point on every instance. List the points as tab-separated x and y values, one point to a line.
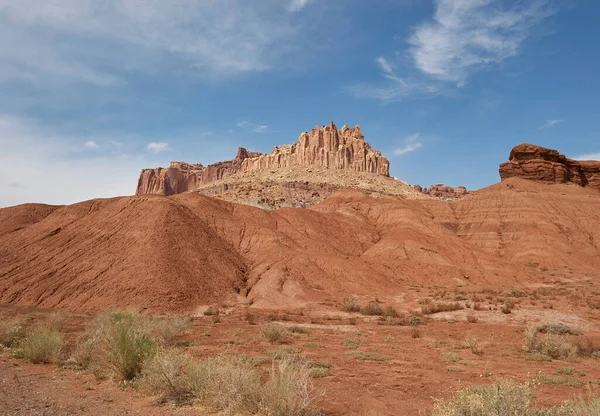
528	161
442	191
327	147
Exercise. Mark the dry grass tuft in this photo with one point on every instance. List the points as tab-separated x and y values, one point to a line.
41	344
274	334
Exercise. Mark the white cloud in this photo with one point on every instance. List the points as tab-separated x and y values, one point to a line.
101	42
157	147
410	144
91	145
297	5
549	123
589	156
252	127
467	36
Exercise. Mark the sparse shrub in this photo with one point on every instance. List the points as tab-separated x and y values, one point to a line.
559	380
516	293
288	391
41	345
313	345
370	356
391	312
11	330
281	353
440	307
164	330
350	304
505	398
554	346
569	371
415	333
455	368
536	356
127	348
350	343
450	357
251	318
472	318
298	330
171	374
56	320
372	309
586	347
557	329
274	334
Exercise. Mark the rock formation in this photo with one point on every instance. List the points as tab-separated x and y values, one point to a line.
528	161
443	191
325	147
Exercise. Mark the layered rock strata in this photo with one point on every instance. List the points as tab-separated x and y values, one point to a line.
325	147
528	161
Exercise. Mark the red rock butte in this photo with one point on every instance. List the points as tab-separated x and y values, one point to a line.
327	147
528	161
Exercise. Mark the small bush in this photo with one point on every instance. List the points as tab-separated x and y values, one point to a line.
587	348
557	329
127	349
559	380
516	293
455	368
350	304
313	345
350	343
569	371
41	345
472	318
170	375
288	391
536	356
274	334
440	307
11	330
554	346
504	398
298	330
372	309
391	312
415	333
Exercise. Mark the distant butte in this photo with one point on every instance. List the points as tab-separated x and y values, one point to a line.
528	161
327	147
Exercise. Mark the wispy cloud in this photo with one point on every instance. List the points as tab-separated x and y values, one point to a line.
409	144
91	145
252	127
589	156
394	87
157	147
297	5
463	37
549	123
467	36
102	42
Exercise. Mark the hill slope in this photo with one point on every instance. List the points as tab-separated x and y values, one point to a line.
180	252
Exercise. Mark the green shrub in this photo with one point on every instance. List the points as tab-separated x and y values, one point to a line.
455	369
559	380
127	349
350	343
41	345
569	371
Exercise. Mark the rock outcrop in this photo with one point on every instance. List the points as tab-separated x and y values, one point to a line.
443	191
528	161
325	147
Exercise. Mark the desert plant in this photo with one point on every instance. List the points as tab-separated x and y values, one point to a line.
557	329
288	391
415	333
163	330
472	318
350	304
450	357
372	308
370	356
41	344
350	343
505	398
274	334
251	318
554	346
172	375
440	307
11	330
127	349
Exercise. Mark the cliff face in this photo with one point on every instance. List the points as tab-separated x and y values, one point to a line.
326	147
528	161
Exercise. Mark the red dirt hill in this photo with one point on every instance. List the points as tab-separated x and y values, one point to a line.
180	252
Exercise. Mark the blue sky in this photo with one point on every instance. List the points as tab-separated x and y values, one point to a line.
92	91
